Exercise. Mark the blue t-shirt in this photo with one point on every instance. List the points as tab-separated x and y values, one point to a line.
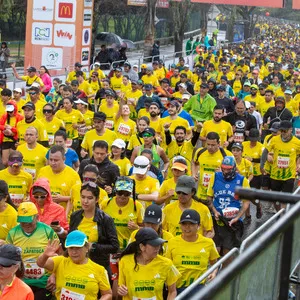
183	114
71	157
296	127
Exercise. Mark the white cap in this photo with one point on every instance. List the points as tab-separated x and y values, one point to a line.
80	101
97	63
186	66
183	85
247	104
18	90
119	143
10	108
289	92
140	165
35	84
186	96
135	66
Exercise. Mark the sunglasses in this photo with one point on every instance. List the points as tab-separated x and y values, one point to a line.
86	179
94	76
90	184
147	135
47	111
140	166
181	193
32	93
123	193
42	197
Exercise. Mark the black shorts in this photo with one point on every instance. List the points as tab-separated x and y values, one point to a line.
286	186
8	145
256	182
266	181
227	237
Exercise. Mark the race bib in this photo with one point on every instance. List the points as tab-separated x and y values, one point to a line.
164	101
230	212
33	271
69	143
238	137
109	124
69	295
139	298
17	199
206	179
297	132
32	172
50	139
283	162
124	129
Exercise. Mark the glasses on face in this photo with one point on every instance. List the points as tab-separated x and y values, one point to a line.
147	135
261	89
123	193
42	197
47	111
86	179
90	184
94	76
32	93
181	193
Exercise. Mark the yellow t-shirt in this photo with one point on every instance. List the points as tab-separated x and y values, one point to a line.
267	140
237	86
134	141
224	129
74	281
33	159
125	88
188	73
208	163
132	99
152	79
124	165
75	197
116	83
191	258
284	158
122	215
88	121
22	127
264	106
31	80
153	124
172	213
146	186
174	80
86	88
293	106
8	219
18	185
143	113
101	74
91	137
69	119
254	152
124	129
51	127
20	104
62	182
165	236
39	105
147	282
168	184
90	228
245	168
72	76
110	114
257	99
174	123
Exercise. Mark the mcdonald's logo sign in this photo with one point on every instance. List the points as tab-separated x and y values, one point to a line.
65	10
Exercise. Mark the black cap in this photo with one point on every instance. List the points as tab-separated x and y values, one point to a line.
78	64
149	236
79	73
190	215
75	82
39	189
100	116
174	103
154	103
284	125
3	188
110	92
148	87
160	61
224	78
165	80
204	85
29	105
253	134
10	255
155	62
238	146
279	99
149	130
221	88
127	63
275	127
31	69
153	214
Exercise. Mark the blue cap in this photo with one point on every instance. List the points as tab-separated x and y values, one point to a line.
76	238
228	162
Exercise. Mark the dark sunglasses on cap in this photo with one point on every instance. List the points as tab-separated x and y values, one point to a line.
123	193
32	93
181	193
140	166
42	197
47	111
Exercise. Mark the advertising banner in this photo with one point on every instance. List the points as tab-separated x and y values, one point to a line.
159	4
58	33
264	3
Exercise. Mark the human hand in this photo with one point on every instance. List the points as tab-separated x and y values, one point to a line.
132	226
108	189
167	126
13	65
171	193
231	222
56	198
52	248
122	290
216	214
51	283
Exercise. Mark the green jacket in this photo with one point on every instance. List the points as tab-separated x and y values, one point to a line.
198	111
188	47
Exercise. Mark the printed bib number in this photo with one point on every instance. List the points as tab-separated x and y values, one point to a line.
69	295
238	137
297	132
124	129
109	124
32	172
138	298
69	143
283	162
17	199
33	271
206	179
230	212
50	139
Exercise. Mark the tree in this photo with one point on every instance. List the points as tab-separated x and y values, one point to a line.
149	27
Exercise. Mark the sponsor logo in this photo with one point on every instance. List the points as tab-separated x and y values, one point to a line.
41	34
42	10
86	36
64	34
65	10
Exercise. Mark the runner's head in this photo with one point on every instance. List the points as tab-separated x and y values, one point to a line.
286	129
212	142
180	134
218	113
27	216
15	162
228	168
189	223
185	189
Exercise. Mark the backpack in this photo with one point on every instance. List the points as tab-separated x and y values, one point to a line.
211	42
205	149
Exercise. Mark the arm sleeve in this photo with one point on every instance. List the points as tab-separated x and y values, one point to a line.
264	158
195	138
168	137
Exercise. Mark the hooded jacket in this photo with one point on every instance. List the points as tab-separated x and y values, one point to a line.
52	211
4	119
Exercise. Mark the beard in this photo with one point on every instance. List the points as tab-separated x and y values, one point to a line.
153	114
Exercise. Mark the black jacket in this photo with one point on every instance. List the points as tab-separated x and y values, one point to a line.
107	236
277	116
108	171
